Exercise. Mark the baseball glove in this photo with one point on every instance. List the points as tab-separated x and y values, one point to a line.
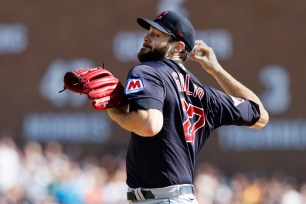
101	87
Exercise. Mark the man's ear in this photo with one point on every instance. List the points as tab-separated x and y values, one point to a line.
180	46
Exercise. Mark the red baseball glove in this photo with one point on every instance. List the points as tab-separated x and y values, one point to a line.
101	87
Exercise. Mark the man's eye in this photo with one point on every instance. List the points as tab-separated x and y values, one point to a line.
154	35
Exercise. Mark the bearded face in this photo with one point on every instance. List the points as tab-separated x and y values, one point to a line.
147	53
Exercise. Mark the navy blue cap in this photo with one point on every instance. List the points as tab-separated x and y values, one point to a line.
172	24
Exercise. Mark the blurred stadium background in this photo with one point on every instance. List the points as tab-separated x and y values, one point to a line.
55	149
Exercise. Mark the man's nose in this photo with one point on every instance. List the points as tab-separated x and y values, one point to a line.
147	37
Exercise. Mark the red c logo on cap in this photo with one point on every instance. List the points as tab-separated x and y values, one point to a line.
179	34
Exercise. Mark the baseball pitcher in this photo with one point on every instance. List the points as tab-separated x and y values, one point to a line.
168	111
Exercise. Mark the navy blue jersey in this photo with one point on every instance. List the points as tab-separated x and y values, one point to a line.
191	111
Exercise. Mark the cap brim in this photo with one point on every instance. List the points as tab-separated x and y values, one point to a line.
145	23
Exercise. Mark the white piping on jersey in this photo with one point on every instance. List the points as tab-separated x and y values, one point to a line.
182	66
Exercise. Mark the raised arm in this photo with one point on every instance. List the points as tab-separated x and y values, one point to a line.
207	58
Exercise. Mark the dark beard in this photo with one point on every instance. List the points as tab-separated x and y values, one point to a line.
152	55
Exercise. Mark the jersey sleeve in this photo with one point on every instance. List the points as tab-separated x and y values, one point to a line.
228	110
144	88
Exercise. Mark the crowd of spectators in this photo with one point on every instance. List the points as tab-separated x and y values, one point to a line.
36	174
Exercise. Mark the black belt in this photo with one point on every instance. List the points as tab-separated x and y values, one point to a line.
149	195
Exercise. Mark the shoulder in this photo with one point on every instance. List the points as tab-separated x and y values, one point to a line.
141	67
149	65
146	68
